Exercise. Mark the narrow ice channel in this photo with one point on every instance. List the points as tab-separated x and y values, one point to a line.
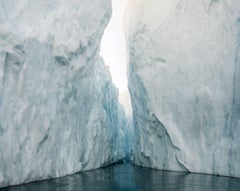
114	53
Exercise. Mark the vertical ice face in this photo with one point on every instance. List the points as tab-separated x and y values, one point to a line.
184	83
58	106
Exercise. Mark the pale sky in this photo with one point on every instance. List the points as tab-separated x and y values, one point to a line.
113	47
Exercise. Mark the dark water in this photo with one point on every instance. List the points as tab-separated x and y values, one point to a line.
126	177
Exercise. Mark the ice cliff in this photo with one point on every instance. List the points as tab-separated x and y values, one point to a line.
58	106
184	74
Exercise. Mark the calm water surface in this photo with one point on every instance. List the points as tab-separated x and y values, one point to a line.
126	177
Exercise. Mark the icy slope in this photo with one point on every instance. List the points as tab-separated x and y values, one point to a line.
184	73
58	107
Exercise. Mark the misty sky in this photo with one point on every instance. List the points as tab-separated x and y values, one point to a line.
113	46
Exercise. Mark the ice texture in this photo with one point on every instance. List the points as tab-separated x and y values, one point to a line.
58	106
127	130
184	74
125	136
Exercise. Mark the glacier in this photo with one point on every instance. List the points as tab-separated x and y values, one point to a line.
184	74
58	106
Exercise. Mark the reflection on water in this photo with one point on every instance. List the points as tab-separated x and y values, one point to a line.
126	177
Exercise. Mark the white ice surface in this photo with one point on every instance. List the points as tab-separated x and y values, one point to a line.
184	74
58	106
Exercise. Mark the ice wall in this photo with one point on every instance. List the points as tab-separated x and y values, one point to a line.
125	136
58	106
184	76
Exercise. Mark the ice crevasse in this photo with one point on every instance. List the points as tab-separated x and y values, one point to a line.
59	111
58	106
184	74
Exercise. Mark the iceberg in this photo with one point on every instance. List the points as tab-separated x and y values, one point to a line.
184	62
58	106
